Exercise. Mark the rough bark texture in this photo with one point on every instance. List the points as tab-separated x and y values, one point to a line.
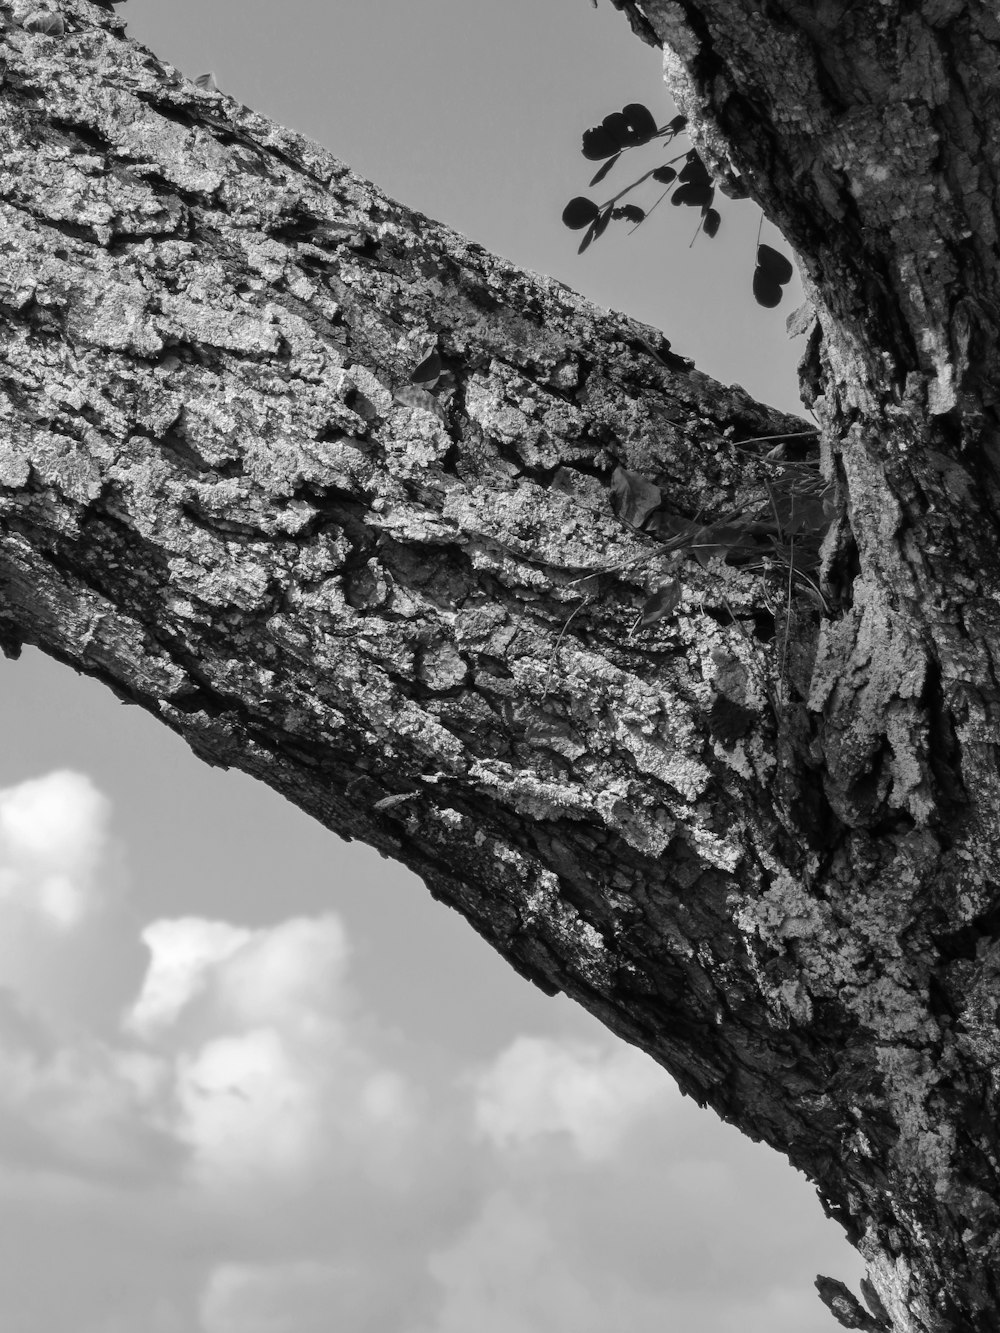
758	838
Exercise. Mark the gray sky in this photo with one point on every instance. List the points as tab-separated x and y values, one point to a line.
231	1101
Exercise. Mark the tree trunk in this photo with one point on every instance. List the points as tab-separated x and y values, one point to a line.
327	487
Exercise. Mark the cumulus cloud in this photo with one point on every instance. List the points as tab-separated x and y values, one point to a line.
294	973
272	1080
183	954
53	835
83	1109
539	1087
248	1108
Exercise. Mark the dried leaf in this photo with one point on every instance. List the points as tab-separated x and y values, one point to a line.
427	374
719	542
671	528
410	396
633	498
800	320
45	21
662	603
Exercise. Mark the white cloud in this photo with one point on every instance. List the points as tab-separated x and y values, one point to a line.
183	954
540	1087
293	974
248	1108
83	1109
275	1078
53	835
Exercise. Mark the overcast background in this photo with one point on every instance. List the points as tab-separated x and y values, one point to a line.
252	1079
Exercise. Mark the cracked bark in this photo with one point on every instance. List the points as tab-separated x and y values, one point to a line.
411	612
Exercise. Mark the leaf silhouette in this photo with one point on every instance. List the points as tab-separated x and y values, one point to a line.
776	265
694	170
598	143
580	212
603	171
766	291
694	193
630	212
640	122
617	127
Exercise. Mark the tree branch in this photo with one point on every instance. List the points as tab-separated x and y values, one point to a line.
758	837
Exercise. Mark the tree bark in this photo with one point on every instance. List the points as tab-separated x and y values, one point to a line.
327	487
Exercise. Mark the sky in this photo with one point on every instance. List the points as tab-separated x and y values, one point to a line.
252	1078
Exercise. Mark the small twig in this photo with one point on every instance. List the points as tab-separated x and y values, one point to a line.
555	647
816	589
664	548
788	611
789	435
610	203
774	505
613	569
652	206
737	623
772	698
